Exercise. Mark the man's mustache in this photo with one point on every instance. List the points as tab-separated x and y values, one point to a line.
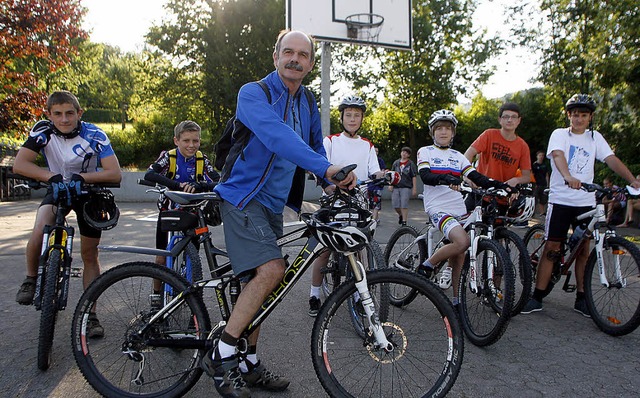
294	66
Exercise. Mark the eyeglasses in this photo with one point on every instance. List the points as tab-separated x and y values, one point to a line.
507	118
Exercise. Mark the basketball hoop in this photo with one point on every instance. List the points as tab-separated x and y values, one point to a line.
364	26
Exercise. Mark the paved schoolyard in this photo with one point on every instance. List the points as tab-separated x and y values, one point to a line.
552	353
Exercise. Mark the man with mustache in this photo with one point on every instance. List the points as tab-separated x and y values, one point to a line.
256	184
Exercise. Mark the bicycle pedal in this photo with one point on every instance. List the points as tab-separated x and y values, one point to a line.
76	272
569	288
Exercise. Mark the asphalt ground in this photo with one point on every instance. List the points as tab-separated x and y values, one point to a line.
553	353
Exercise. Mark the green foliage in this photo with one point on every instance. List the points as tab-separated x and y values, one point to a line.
101	116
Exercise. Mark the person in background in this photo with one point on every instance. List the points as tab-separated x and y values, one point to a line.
618	202
406	188
541	174
632	206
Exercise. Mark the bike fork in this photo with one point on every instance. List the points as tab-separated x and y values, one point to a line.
367	303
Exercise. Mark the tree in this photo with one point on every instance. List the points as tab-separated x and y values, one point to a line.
36	38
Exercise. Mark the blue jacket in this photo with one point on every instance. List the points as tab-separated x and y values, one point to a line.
272	138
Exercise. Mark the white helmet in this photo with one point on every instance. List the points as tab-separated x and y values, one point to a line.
344	234
442	115
522	209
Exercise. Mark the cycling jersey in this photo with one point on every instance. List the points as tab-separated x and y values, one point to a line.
68	156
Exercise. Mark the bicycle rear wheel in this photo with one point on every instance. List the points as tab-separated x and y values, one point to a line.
534	241
615	309
426	335
49	308
517	253
136	358
485	313
402	253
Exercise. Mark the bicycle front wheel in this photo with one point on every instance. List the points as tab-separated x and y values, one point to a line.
403	253
372	259
485	309
137	358
615	309
49	308
427	339
517	253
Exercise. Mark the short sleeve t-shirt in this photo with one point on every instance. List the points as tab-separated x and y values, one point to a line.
581	152
441	198
500	159
343	150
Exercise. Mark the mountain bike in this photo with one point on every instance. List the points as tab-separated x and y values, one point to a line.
612	272
54	265
157	353
487	284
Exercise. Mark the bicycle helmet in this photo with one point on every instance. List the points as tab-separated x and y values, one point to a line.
581	101
211	213
522	209
344	230
392	177
100	211
352	101
442	115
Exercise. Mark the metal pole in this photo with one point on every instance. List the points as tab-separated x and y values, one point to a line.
325	88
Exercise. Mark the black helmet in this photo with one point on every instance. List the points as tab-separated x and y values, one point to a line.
581	101
100	211
352	101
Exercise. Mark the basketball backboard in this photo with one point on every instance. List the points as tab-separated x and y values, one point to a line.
385	23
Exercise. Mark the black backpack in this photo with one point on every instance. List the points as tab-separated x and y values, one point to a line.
235	137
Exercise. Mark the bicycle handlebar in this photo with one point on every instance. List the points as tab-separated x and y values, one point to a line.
35	184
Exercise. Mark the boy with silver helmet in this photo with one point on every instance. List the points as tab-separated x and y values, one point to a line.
441	169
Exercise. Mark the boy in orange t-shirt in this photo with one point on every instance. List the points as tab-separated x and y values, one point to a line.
501	151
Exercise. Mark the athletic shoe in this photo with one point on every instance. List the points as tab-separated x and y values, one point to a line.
425	271
258	376
94	329
532	305
445	278
399	220
226	375
581	307
314	306
27	291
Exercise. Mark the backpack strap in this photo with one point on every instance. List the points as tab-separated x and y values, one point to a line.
199	166
172	163
171	173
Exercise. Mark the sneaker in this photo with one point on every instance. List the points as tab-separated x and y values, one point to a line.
156	302
425	271
314	306
399	220
226	376
27	291
403	223
258	376
94	329
532	305
581	307
445	278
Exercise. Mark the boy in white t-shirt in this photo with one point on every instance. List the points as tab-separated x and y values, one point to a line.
441	170
573	152
345	148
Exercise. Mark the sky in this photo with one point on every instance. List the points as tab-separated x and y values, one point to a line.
124	23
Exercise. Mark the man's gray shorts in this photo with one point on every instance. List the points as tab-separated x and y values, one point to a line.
250	235
400	198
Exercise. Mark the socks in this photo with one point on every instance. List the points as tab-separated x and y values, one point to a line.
315	291
538	294
251	357
427	264
226	346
